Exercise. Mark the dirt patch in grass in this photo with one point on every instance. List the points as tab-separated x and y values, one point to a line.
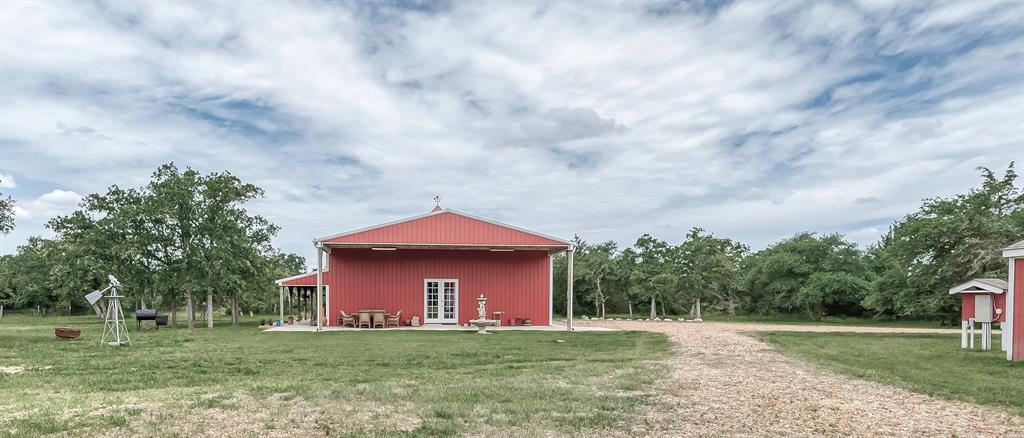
724	382
276	416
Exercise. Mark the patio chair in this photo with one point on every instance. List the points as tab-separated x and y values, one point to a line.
378	319
345	319
364	319
394	319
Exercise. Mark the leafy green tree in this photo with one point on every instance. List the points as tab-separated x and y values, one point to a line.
791	275
596	268
183	231
653	277
621	278
6	214
710	266
947	241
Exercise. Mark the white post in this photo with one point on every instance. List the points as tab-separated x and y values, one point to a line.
319	283
568	288
963	334
1009	318
280	290
971	322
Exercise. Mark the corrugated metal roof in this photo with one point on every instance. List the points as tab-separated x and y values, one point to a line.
308	279
445	228
1000	283
985	285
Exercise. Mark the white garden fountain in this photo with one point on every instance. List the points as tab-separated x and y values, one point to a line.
482	322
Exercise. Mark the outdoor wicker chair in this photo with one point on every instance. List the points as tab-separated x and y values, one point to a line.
394	319
378	319
345	319
364	319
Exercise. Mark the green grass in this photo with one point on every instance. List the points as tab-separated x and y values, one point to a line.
828	320
925	363
802	319
222	380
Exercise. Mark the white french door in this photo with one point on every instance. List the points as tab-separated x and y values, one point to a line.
440	301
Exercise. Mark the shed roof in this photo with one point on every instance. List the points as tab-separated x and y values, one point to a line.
981	285
1015	251
307	279
444	228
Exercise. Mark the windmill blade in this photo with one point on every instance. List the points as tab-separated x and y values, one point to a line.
94	296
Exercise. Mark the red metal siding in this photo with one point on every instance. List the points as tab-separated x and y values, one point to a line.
967	307
446	228
1018	309
307	280
516	282
1000	301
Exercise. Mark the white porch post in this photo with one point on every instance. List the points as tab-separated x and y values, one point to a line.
319	283
568	288
280	291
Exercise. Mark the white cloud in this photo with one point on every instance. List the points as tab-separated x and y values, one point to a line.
755	120
7	181
47	205
21	213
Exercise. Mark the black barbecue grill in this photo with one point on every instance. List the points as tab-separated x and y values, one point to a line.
150	315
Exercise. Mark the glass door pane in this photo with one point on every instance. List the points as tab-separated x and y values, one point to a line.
432	299
449	300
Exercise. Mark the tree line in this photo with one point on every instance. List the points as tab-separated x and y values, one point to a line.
905	274
182	237
186	236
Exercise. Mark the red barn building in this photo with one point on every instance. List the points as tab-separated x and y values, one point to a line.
434	267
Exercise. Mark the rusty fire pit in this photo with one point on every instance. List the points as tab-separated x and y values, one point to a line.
67	332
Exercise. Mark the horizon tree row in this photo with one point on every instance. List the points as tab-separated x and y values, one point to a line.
183	233
906	274
186	233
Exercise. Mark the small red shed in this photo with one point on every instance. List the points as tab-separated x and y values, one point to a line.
434	266
983	301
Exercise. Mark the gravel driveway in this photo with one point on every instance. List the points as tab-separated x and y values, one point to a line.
726	383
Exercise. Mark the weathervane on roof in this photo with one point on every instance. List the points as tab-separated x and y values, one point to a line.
437	200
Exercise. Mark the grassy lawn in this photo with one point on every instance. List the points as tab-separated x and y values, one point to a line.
240	381
930	364
802	319
828	320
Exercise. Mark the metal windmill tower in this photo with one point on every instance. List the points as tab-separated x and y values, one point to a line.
114	327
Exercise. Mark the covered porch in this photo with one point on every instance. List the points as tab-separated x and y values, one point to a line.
298	301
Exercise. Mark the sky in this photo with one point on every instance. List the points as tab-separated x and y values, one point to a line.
752	120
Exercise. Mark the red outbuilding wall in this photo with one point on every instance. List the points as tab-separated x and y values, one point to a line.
516	282
967	307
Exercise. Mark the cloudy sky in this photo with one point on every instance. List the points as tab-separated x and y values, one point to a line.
753	120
